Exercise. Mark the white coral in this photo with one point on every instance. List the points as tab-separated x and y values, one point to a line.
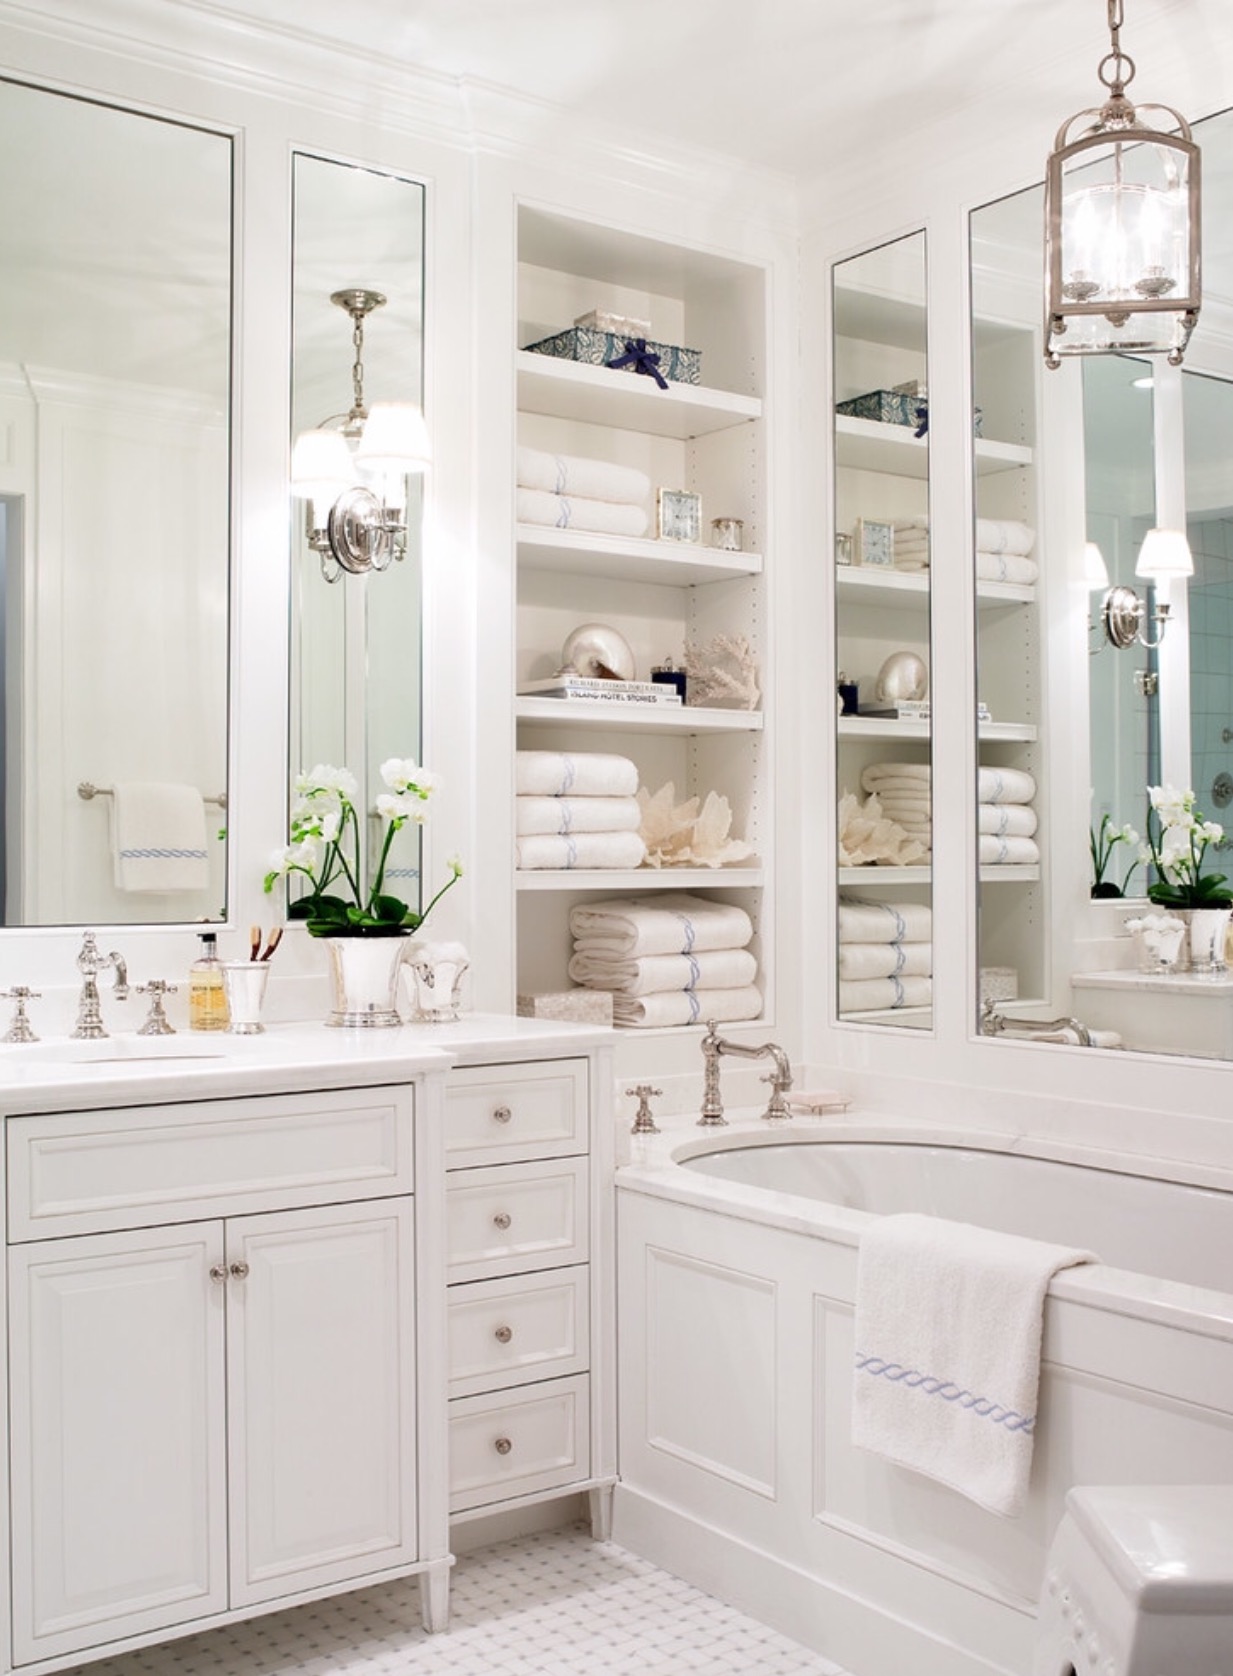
723	671
868	838
684	835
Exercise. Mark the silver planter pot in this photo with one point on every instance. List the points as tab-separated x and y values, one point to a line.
364	981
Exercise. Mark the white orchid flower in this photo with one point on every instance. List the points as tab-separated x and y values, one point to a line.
401	807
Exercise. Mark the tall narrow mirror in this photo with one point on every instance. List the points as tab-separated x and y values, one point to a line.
358	299
884	791
115	376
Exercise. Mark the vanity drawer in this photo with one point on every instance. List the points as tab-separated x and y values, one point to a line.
512	1331
516	1217
90	1171
501	1113
519	1443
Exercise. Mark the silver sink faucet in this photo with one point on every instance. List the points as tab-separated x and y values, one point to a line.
90	963
780	1079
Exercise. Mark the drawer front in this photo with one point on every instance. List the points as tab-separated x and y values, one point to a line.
516	1217
88	1172
502	1113
519	1443
513	1331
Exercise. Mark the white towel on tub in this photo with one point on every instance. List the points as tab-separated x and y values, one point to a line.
158	837
948	1331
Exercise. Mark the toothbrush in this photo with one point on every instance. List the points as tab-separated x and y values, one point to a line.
254	941
275	939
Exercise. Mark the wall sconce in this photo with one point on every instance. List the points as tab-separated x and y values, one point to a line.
1163	555
1121	226
352	469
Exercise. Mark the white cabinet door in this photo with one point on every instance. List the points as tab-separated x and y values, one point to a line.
320	1368
118	1446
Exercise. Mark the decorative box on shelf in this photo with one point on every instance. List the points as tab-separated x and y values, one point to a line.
606	320
604	349
568	1006
897	407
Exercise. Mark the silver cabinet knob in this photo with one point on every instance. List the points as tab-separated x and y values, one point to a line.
218	1271
501	1114
502	1220
503	1335
240	1271
502	1445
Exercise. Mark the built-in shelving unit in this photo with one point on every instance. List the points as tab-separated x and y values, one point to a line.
871	445
708	439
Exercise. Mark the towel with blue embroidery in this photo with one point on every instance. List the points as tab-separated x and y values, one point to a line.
158	837
948	1327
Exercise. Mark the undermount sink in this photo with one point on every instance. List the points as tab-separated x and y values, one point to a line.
109	1050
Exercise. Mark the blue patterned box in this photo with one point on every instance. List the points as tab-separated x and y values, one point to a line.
599	349
887	407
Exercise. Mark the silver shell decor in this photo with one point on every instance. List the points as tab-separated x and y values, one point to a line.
596	649
903	677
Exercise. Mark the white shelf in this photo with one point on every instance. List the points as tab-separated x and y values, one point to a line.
869	445
1018	733
629	558
888	727
667	718
909	590
625	400
915	1018
640	878
1006	875
849	876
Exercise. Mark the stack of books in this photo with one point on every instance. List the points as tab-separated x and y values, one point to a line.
594	687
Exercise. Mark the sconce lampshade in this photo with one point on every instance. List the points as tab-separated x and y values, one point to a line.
1095	571
1163	555
395	438
321	465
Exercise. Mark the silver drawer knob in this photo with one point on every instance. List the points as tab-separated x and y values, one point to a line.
502	1220
218	1271
503	1335
501	1114
503	1446
240	1271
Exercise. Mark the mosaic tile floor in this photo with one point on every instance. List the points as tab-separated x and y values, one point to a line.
553	1604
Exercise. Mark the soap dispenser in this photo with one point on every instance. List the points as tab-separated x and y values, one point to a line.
207	998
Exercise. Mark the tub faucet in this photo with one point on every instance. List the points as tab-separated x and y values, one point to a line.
90	963
994	1023
780	1079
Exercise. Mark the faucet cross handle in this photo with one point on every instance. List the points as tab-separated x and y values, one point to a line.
156	1024
644	1118
19	1030
776	1106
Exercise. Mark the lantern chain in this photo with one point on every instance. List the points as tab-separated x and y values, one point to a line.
1117	68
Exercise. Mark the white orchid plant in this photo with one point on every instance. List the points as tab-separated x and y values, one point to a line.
1178	838
325	848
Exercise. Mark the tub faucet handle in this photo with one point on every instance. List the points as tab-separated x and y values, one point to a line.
644	1118
777	1106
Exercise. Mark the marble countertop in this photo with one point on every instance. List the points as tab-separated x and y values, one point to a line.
124	1068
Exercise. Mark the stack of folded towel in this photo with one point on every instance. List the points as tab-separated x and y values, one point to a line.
903	791
667	959
1006	819
912	544
571	493
885	955
1002	548
576	809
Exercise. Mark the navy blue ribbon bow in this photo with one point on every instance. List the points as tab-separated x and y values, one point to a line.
642	360
922	421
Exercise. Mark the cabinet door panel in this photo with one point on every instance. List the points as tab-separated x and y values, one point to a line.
119	1495
320	1370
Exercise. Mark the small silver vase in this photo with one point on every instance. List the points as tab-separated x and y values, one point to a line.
364	981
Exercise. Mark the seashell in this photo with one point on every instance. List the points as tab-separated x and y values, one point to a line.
596	649
902	677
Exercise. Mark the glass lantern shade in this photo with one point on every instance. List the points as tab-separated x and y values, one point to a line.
1122	240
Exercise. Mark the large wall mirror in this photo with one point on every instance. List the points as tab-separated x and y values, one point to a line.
356	671
1111	694
884	790
115	376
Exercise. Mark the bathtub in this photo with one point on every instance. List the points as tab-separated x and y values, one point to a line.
737	1267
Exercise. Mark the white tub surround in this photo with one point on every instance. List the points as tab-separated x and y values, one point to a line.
1178	1012
230	1341
736	1375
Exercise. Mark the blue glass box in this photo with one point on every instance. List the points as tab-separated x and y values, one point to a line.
598	349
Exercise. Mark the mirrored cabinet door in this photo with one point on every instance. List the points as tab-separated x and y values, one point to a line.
883	653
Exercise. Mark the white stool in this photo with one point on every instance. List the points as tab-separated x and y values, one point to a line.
1139	1582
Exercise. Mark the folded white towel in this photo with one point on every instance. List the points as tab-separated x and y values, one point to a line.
1070	1036
629	927
573	774
1008	852
1007	820
909	543
877	995
904	794
576	814
948	1331
1004	535
905	526
567	474
655	973
570	512
1005	785
690	1006
876	771
867	921
580	850
859	961
1006	567
158	837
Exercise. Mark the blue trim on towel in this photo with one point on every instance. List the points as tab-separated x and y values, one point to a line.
691	935
571	851
929	1385
695	972
569	773
695	1006
164	855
